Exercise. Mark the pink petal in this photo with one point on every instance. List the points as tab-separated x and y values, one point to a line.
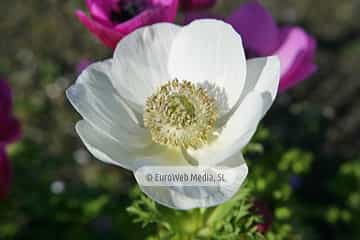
257	28
147	17
100	10
107	35
298	76
296	53
5	173
170	8
110	35
189	5
162	11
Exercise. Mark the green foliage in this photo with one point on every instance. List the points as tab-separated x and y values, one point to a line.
234	219
231	220
145	210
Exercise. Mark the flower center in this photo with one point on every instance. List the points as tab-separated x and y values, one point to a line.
180	114
127	9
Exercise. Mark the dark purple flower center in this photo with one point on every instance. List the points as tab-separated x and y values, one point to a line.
127	9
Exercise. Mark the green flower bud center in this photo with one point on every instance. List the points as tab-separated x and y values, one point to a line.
181	111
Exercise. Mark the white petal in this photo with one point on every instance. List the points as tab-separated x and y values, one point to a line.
110	151
197	196
210	53
263	75
236	133
94	97
140	62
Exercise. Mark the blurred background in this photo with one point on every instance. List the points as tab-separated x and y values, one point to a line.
306	161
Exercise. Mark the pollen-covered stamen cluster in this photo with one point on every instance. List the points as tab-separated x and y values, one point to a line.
180	114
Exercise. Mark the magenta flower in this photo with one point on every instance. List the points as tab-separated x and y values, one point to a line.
111	20
189	5
262	37
5	173
9	126
9	132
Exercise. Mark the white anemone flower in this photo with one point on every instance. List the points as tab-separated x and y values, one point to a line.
176	96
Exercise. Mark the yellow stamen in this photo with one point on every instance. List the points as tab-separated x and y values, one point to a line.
180	114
